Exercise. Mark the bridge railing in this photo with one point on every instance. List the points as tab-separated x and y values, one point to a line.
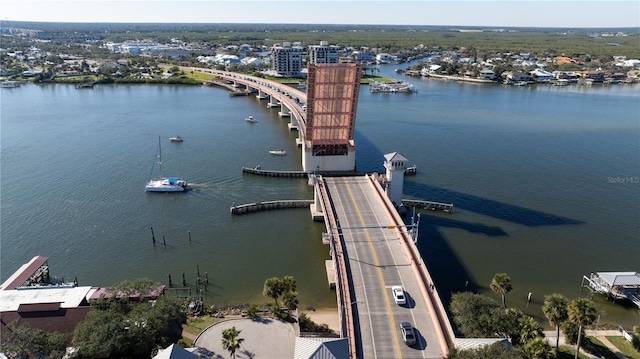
343	293
428	291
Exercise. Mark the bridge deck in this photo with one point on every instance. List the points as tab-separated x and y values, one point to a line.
377	261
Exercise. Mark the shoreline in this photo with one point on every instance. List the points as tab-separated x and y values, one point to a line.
326	316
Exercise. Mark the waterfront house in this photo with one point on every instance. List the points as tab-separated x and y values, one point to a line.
595	76
516	76
487	74
540	75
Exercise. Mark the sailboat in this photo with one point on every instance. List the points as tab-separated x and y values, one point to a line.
170	184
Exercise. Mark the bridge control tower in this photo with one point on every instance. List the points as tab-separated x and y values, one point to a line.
395	164
332	101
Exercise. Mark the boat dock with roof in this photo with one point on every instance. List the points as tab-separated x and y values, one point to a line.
617	285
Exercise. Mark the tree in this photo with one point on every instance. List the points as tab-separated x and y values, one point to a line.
273	289
24	341
582	311
555	309
476	315
530	330
230	340
493	351
290	300
501	283
538	348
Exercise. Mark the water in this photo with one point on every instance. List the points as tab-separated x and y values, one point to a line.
533	173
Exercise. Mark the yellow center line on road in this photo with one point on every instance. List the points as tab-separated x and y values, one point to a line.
375	257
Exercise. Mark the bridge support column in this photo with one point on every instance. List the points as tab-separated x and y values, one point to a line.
316	206
284	111
261	95
273	102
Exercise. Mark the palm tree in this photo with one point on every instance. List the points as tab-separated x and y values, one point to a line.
501	283
538	348
530	329
582	312
230	340
290	300
555	309
289	284
273	289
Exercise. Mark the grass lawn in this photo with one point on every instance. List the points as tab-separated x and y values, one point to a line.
196	325
200	76
565	352
625	347
596	347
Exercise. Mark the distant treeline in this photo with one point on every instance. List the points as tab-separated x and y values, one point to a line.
390	38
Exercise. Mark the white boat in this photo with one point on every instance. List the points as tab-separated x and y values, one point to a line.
9	84
561	82
176	138
278	152
250	119
170	184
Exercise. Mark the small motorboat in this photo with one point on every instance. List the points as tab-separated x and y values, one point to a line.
278	152
251	119
176	138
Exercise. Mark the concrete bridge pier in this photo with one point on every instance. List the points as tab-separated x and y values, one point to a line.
261	95
316	206
284	111
273	102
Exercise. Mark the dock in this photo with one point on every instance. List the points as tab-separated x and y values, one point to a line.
433	206
269	205
616	285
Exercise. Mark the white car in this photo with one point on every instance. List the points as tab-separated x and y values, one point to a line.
398	295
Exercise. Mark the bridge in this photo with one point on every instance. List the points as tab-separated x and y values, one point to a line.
372	250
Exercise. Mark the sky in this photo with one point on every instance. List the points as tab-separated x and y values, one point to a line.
506	13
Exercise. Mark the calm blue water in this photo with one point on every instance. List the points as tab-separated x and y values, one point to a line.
542	178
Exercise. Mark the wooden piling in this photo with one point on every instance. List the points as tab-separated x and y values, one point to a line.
163	241
184	281
189	233
153	237
170	283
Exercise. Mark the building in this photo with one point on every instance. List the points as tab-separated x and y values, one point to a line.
332	102
28	297
324	53
286	60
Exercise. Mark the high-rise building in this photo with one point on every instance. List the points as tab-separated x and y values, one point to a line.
287	60
332	101
323	53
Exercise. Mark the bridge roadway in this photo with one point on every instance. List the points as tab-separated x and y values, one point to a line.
377	257
287	96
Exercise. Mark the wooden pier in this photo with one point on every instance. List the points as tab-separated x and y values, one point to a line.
269	205
433	206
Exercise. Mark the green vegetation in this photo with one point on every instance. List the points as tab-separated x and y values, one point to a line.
625	347
501	283
118	326
24	341
195	325
479	316
230	340
582	312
